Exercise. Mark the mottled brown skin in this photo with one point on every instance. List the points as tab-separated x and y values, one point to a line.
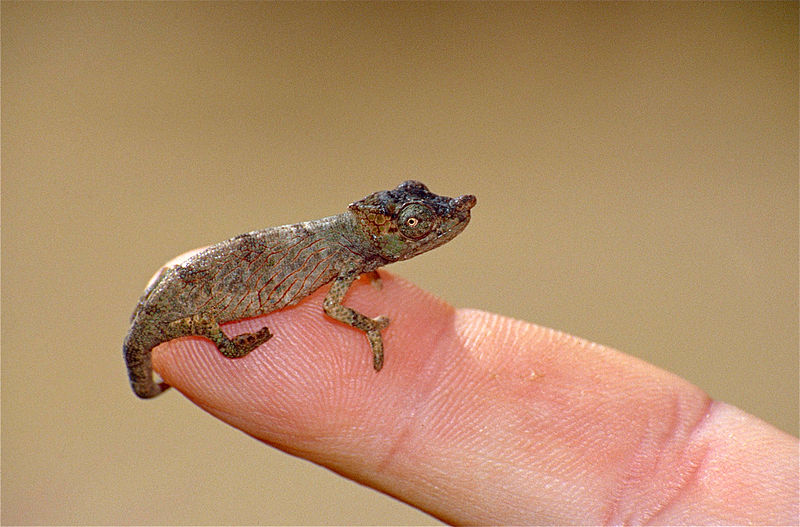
263	271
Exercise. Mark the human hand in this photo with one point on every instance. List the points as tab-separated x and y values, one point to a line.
481	419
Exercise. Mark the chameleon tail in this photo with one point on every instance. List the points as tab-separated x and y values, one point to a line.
140	371
137	347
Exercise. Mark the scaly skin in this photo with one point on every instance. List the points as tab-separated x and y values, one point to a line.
263	271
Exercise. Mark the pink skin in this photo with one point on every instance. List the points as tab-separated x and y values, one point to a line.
481	419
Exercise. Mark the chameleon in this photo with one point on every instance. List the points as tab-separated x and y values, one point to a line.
263	271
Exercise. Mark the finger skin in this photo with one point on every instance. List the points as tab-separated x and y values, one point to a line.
481	419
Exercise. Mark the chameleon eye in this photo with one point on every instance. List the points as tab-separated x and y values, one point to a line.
415	220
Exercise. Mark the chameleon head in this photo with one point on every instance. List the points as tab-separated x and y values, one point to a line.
410	219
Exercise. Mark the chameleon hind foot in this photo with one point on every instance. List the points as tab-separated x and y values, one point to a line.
206	326
244	343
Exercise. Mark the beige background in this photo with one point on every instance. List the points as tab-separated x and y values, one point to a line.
636	168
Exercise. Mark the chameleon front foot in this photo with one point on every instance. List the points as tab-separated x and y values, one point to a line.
370	326
376	341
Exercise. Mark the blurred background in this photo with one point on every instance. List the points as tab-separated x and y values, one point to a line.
636	167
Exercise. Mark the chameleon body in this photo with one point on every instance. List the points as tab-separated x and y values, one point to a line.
263	271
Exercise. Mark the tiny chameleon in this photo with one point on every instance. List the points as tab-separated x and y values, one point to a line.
263	271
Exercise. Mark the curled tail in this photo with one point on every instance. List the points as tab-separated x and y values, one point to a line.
138	345
140	368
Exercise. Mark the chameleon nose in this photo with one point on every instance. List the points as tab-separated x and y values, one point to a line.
465	202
